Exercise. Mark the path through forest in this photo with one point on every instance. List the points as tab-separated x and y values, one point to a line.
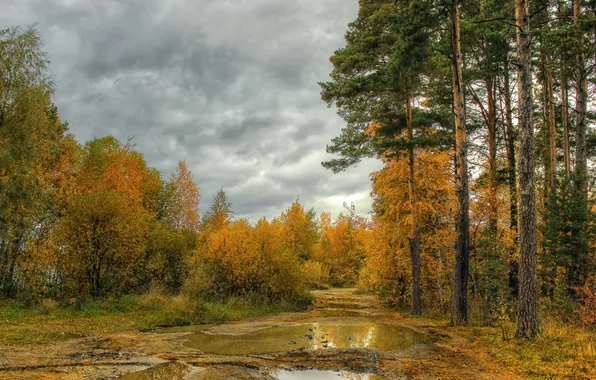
344	331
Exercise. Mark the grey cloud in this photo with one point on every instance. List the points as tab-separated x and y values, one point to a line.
230	86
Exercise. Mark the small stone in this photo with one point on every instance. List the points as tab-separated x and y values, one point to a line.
291	342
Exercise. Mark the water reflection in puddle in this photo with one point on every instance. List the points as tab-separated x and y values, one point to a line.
322	375
384	337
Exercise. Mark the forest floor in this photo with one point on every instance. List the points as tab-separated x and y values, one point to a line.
342	331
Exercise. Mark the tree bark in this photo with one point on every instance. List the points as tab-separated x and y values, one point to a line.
460	288
414	234
581	163
527	318
511	163
565	121
552	127
581	154
492	152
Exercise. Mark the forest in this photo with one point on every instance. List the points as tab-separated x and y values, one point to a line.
484	213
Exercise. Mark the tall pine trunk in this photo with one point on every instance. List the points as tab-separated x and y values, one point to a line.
511	163
460	289
565	122
414	235
581	154
492	153
527	318
552	127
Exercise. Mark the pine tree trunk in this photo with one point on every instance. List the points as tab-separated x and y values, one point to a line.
460	288
552	127
565	121
581	153
527	318
510	135
492	153
414	235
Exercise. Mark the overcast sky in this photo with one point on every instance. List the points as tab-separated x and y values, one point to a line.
230	86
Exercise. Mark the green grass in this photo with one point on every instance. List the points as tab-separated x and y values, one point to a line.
49	322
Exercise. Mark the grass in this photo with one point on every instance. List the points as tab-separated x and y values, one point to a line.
49	323
562	350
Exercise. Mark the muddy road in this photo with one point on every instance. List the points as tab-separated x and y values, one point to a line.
344	335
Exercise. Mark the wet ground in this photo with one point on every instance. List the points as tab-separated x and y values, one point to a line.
345	335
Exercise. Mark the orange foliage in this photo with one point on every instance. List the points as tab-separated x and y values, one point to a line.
239	259
387	267
586	309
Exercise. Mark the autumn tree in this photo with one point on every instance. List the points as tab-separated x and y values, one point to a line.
102	236
174	226
300	230
183	199
102	233
391	40
341	247
219	213
387	245
239	259
31	139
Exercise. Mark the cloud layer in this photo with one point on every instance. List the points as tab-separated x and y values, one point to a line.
230	86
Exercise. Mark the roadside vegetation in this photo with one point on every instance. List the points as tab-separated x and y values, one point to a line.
50	321
476	223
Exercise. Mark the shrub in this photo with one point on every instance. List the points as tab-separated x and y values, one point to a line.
315	274
48	306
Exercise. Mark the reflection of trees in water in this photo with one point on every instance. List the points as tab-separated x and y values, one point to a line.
340	336
315	336
318	375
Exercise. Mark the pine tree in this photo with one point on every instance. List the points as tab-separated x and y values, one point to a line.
527	319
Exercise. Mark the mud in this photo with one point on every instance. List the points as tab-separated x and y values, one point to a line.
344	336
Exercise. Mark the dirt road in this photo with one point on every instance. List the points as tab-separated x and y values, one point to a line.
344	331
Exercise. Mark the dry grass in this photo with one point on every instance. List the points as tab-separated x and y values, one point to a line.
562	350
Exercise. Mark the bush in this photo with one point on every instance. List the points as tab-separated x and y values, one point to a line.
586	309
152	300
241	260
315	274
48	306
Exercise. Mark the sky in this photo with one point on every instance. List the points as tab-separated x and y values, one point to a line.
229	86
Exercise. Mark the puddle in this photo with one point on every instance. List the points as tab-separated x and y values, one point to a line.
329	312
313	336
170	371
322	375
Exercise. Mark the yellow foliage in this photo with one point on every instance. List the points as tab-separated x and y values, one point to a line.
341	248
240	259
101	239
300	230
388	265
185	207
315	274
